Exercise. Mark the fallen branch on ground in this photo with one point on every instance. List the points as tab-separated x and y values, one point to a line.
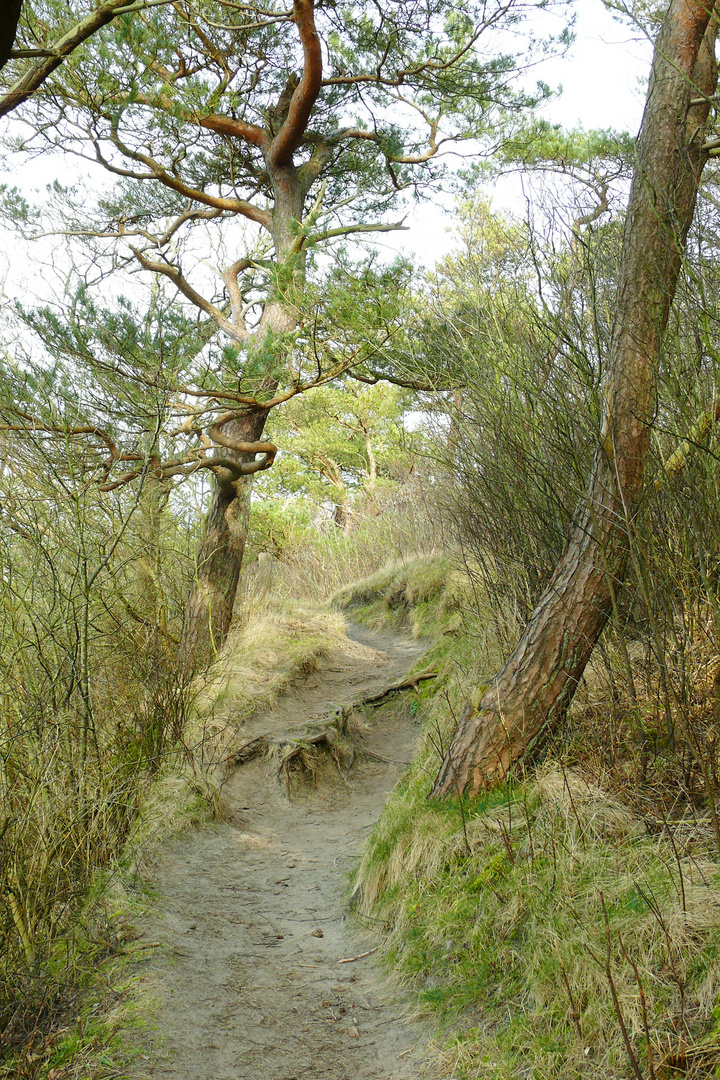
250	750
360	956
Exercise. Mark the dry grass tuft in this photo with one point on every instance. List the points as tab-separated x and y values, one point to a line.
585	805
276	645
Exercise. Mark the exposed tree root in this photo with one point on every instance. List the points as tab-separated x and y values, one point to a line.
302	750
250	750
407	683
301	747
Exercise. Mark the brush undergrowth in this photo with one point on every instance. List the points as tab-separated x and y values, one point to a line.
556	929
79	832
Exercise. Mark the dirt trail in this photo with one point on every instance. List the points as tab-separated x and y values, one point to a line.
251	913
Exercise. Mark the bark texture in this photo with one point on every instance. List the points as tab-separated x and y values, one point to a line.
209	609
533	690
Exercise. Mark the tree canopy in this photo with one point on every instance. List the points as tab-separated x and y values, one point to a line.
242	138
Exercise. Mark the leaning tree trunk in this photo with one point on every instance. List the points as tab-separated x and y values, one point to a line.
9	19
532	692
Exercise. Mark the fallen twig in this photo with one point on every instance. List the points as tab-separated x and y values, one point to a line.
360	956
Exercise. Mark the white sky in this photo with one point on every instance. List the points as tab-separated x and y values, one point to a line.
603	79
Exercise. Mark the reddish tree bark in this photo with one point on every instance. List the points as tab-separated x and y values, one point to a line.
532	692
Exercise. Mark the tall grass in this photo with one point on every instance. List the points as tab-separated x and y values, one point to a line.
319	558
561	925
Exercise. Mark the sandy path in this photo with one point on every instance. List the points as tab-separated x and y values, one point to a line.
251	914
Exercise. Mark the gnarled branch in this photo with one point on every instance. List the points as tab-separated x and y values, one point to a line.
238	333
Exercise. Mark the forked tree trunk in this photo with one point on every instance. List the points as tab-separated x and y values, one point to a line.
209	609
532	692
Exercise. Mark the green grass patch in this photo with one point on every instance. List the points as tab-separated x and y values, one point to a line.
516	920
73	1005
424	595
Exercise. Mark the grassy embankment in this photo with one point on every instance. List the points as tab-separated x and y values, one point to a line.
567	923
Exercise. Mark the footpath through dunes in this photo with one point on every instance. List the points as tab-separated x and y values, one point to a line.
259	974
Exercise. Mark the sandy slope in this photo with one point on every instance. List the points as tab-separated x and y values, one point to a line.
251	913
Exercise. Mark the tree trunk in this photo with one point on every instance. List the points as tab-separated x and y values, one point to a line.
532	692
9	18
209	609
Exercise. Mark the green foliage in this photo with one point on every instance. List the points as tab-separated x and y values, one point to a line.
128	78
541	143
340	441
524	403
498	919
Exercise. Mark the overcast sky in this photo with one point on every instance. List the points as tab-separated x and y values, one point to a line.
601	74
603	79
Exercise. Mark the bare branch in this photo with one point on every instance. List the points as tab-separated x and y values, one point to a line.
346	230
377	79
237	333
157	172
374	377
230	277
237	129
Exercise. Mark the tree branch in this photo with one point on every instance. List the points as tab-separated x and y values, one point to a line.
237	333
8	29
80	32
290	135
346	230
239	206
374	377
230	277
431	64
237	129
